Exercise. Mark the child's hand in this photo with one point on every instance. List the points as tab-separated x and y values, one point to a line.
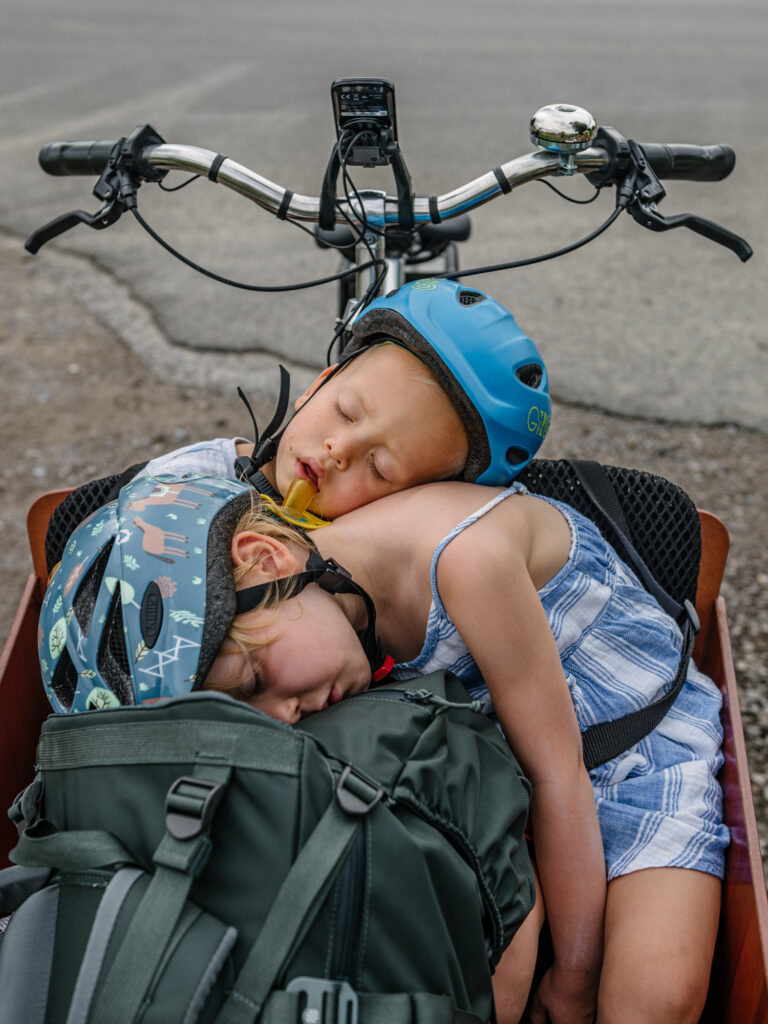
565	997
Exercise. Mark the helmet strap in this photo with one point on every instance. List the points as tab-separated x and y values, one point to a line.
331	577
264	449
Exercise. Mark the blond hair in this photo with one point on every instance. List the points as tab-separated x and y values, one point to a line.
258	519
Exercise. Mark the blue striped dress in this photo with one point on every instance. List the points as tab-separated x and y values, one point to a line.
659	803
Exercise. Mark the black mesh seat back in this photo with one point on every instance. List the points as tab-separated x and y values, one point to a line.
662	519
77	506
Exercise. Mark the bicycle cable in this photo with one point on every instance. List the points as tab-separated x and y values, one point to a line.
176	188
359	231
534	259
571	199
241	284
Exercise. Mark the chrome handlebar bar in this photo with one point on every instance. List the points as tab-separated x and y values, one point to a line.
380	208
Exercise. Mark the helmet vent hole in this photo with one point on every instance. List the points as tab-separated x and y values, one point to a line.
64	680
530	375
112	661
516	456
467	298
85	600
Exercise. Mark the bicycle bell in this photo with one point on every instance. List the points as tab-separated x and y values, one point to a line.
564	129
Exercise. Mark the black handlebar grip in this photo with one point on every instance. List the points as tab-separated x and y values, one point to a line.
62	158
692	163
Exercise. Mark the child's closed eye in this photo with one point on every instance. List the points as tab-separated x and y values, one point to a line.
345	415
374	468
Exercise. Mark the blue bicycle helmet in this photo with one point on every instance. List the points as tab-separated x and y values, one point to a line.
492	371
144	595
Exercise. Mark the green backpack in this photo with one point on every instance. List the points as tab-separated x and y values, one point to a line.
196	861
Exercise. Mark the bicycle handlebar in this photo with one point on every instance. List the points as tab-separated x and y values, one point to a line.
62	158
601	161
692	163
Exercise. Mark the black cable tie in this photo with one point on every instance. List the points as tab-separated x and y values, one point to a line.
213	170
501	178
285	202
434	213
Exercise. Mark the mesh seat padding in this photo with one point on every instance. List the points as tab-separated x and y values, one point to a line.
662	519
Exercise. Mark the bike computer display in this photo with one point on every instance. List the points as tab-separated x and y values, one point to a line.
364	108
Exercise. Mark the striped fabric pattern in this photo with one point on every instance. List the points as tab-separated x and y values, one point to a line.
659	803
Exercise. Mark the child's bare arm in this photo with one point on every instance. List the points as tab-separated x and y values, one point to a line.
485	586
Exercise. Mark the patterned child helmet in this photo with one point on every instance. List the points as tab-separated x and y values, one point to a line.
144	594
492	371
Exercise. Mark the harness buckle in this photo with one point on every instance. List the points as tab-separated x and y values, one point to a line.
190	806
325	1002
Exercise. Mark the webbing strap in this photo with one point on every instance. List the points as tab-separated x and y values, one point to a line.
179	742
177	861
103	924
402	1008
292	913
603	742
69	851
142	948
606	740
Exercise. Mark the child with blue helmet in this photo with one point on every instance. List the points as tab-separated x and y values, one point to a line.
460	391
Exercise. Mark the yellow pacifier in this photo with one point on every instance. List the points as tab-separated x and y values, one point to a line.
294	507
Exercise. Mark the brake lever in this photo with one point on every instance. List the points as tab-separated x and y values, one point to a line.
647	215
641	192
116	188
108	214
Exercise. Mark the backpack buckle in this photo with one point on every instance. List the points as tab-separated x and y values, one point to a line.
325	1002
356	794
190	806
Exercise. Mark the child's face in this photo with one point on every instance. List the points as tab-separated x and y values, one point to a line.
314	658
374	428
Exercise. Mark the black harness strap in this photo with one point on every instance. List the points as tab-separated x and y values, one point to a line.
607	740
598	486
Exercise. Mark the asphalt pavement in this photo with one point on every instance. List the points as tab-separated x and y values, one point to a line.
662	326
